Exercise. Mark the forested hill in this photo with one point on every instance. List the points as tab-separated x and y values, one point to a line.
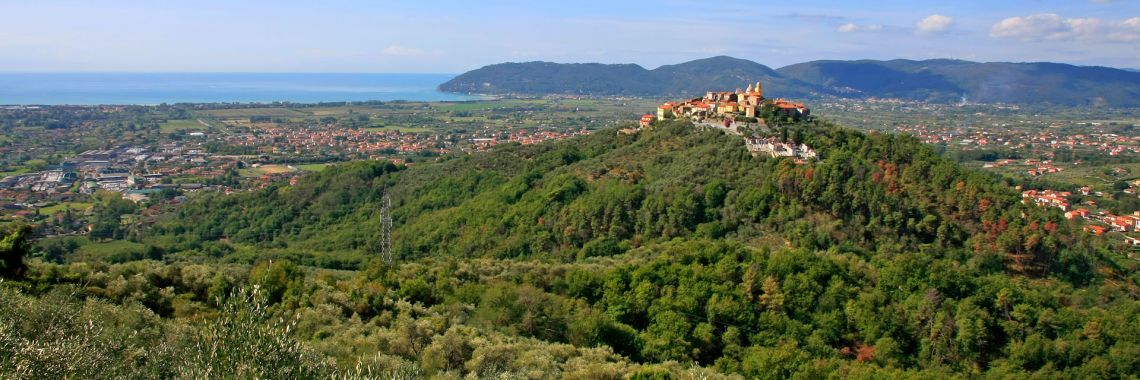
607	193
882	259
938	80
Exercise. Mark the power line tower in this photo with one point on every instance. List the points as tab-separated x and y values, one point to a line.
386	229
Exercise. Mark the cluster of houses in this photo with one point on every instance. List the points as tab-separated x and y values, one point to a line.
747	103
1049	198
1035	167
1106	221
776	148
1005	135
1118	223
727	106
135	172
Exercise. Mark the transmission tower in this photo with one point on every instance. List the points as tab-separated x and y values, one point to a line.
386	229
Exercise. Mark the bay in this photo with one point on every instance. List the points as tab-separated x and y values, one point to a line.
157	88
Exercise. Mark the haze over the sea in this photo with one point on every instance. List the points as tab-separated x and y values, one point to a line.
157	88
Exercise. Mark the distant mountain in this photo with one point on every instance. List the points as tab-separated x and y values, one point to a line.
939	80
689	78
721	73
549	77
952	80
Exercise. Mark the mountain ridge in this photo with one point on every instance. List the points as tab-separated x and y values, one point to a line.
933	80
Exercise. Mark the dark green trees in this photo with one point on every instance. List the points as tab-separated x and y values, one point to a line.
14	245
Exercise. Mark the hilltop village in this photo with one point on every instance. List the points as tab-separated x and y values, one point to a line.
731	110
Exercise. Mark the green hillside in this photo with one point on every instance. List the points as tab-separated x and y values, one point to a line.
668	253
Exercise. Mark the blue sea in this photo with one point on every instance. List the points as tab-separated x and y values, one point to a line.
157	88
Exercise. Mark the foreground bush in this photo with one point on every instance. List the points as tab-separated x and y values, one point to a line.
61	335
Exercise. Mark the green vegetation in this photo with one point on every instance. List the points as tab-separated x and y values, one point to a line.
255	111
73	206
404	129
669	253
313	167
182	125
14	246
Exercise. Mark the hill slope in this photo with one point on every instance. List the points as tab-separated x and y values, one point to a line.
881	260
931	80
870	193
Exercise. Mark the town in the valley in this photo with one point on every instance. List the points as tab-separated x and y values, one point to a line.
57	160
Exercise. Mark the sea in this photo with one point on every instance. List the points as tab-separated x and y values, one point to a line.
159	88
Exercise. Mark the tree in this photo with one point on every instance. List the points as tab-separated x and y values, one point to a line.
13	247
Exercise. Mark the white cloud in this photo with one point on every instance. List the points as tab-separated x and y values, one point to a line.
934	24
402	50
1052	27
1126	31
850	28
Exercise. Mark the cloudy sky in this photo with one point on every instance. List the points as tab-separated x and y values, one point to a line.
455	36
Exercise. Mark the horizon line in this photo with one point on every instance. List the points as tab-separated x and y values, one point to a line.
223	72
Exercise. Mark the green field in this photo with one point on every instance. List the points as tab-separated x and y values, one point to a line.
111	251
489	104
1094	176
262	111
264	169
13	172
74	206
182	125
313	167
400	128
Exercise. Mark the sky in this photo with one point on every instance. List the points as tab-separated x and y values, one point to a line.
455	36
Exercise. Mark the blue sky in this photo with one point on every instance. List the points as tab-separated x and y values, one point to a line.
455	36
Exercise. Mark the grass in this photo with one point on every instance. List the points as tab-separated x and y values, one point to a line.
110	251
401	128
261	111
313	167
265	169
250	172
182	125
74	206
1094	175
19	171
490	104
276	169
343	110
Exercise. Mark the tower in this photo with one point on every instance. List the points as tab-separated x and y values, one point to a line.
759	90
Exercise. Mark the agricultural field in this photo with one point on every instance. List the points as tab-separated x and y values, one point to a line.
254	111
183	125
313	167
266	169
73	206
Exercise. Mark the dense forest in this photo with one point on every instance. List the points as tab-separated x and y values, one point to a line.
668	253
